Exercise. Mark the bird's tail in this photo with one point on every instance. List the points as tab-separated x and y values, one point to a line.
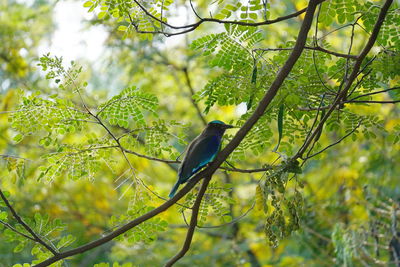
174	189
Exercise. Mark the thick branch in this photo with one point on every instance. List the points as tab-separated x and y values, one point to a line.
129	225
281	76
342	94
208	172
192	225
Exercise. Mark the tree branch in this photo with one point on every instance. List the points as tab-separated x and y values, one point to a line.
191	27
9	226
221	157
335	143
349	81
129	225
374	101
168	161
192	225
27	227
189	84
374	93
315	48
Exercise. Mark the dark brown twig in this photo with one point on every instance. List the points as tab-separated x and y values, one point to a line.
335	143
12	228
374	93
242	23
191	90
374	101
315	48
35	236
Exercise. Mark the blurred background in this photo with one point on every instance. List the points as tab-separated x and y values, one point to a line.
350	194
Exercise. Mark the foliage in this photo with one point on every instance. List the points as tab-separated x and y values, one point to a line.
77	150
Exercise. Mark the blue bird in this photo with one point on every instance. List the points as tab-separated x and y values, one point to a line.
200	152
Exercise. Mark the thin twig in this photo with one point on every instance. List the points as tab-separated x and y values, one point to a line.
376	92
168	161
235	220
27	227
9	226
374	101
359	82
335	143
315	48
194	10
191	27
192	93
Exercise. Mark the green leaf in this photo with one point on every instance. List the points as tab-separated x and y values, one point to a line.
130	105
280	126
122	28
254	75
18	138
19	247
101	14
65	241
320	131
88	4
3	216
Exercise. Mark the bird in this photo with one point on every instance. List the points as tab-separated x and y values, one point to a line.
202	150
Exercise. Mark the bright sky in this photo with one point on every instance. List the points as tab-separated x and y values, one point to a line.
71	40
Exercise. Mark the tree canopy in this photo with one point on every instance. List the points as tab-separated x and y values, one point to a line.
90	150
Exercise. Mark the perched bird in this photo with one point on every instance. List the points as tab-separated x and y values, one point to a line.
200	152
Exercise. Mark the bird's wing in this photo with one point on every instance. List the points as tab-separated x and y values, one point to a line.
200	152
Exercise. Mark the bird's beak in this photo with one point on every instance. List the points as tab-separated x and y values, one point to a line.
227	126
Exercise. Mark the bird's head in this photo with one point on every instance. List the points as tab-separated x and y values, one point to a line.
218	126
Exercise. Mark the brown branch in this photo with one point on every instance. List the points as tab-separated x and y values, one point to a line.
168	161
181	193
353	100
192	225
209	171
234	169
315	48
282	74
9	226
374	101
349	81
374	93
35	236
193	26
